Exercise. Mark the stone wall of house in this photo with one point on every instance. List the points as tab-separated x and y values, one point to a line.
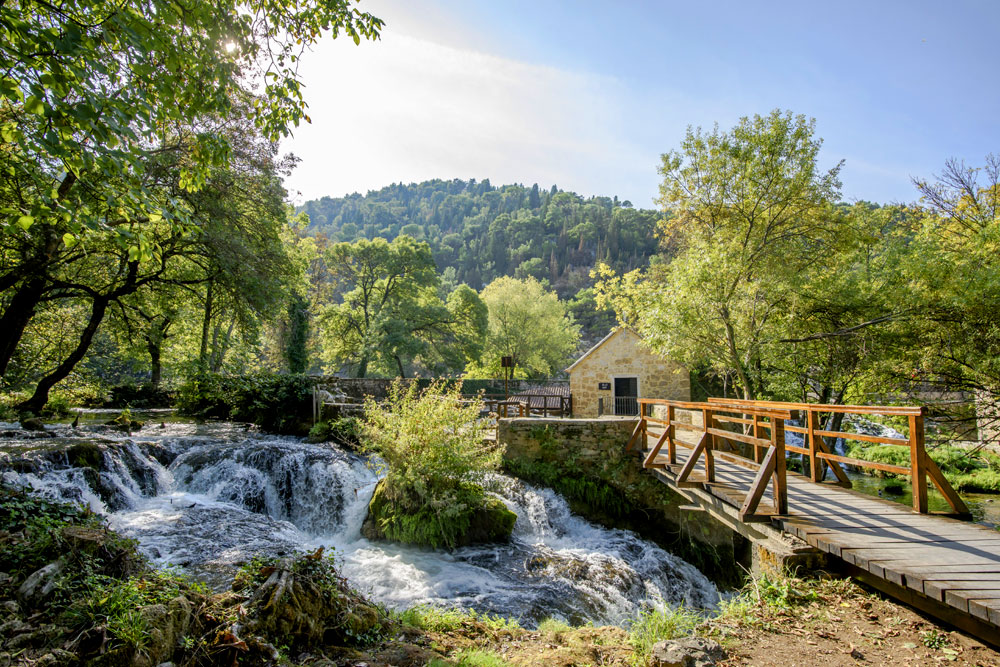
578	450
624	355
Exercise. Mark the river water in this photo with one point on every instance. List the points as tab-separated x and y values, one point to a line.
206	497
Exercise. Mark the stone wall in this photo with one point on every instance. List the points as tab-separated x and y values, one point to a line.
588	457
623	354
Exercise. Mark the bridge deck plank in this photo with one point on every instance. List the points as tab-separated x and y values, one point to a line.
952	562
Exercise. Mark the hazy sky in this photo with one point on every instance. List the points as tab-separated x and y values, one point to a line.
587	95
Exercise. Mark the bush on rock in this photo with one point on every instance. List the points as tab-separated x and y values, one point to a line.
435	459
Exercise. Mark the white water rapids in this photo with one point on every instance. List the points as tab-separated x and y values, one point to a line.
206	498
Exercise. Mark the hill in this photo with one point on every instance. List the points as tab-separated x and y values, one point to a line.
482	232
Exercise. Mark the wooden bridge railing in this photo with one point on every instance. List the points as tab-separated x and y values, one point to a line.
754	418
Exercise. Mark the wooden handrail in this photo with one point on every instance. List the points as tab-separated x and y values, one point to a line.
763	429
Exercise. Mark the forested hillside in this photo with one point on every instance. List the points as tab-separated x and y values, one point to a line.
478	232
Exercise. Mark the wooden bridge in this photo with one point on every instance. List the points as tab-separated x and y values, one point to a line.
724	455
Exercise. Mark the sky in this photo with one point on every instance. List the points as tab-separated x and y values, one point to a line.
588	95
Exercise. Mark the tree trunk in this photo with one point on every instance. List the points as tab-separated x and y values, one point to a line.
399	364
16	317
41	395
362	368
154	345
156	368
206	324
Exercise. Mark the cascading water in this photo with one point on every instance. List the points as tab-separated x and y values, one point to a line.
207	497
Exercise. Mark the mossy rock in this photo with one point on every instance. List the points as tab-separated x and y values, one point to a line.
124	423
85	455
488	523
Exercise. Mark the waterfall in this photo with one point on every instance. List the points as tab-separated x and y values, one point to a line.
206	498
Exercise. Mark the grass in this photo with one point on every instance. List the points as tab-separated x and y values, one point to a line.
436	619
553	626
472	658
656	625
966	470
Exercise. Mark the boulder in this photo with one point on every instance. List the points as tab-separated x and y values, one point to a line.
124	423
40	584
32	424
167	625
686	652
491	522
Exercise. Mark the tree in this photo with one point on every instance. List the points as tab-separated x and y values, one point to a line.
109	119
233	248
296	344
749	206
389	312
953	282
530	325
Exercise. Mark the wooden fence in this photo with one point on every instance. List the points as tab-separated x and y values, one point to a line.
535	405
761	425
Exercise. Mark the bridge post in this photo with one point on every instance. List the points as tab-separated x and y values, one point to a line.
671	434
758	452
708	417
778	442
917	463
817	471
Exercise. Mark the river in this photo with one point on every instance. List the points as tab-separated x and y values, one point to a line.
204	498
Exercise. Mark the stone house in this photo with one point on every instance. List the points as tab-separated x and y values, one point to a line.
610	376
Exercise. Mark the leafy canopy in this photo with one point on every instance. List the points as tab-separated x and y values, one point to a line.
92	91
748	208
529	324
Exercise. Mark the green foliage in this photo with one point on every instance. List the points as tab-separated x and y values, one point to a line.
934	639
296	345
437	619
40	522
529	324
475	657
473	519
115	604
387	313
132	395
344	431
432	446
276	403
780	592
481	232
575	486
967	470
434	619
553	626
656	625
749	207
90	88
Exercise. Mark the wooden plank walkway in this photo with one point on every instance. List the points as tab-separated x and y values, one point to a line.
952	562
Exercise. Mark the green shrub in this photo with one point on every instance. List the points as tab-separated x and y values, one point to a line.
434	457
115	603
276	403
344	431
144	395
